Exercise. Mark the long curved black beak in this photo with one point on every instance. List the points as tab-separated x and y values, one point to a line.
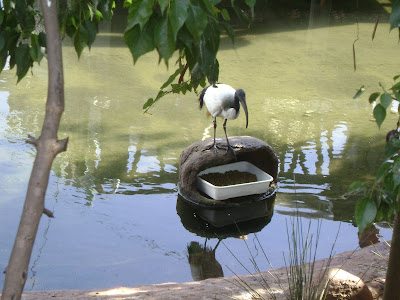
243	102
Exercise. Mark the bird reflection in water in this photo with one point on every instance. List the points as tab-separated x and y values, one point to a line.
233	222
203	263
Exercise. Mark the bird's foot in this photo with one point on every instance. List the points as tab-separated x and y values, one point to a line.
215	147
229	147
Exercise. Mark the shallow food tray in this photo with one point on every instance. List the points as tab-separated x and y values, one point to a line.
237	190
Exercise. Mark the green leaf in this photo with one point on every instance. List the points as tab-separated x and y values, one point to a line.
396	174
396	77
90	11
251	3
3	61
177	14
229	31
209	7
386	100
140	42
196	75
373	97
382	171
380	214
1	16
140	13
187	41
42	39
211	40
127	3
105	7
148	103
98	16
81	39
35	51
196	21
91	28
208	51
396	86
23	60
2	42
225	14
394	19
164	38
357	187
172	77
379	114
396	95
359	92
243	17
392	147
182	87
365	213
164	3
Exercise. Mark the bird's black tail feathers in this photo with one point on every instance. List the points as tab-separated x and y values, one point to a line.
201	98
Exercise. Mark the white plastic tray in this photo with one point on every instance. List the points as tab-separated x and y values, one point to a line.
237	190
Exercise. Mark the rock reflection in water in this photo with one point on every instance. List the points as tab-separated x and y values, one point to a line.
369	236
219	224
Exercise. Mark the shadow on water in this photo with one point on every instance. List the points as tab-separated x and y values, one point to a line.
270	17
219	224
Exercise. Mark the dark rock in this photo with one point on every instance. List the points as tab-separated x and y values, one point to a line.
197	157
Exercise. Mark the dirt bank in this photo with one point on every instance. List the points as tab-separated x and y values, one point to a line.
362	263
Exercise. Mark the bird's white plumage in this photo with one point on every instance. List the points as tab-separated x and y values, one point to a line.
218	100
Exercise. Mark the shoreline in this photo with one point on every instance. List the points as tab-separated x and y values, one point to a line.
362	263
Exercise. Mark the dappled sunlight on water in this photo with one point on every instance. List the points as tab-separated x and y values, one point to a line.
114	192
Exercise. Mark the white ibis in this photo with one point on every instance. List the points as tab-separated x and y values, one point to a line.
223	101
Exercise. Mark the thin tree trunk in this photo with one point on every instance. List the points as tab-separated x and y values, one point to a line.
392	283
48	146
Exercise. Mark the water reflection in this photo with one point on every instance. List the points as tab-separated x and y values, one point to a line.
108	153
369	236
219	224
202	261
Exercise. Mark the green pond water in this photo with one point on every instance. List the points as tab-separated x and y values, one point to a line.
118	220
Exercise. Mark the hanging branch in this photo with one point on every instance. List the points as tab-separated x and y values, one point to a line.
376	25
354	49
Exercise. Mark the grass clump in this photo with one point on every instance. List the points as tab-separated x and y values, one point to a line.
304	280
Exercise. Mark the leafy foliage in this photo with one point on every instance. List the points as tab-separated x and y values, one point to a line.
190	28
23	40
379	200
395	15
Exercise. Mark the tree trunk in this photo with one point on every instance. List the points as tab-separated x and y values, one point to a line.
48	146
392	284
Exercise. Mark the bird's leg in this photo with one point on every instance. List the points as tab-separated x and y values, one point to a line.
227	141
215	130
214	145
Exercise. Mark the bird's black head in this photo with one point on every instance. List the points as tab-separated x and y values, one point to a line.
241	96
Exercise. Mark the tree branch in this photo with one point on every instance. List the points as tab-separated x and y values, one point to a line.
48	213
32	140
47	146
